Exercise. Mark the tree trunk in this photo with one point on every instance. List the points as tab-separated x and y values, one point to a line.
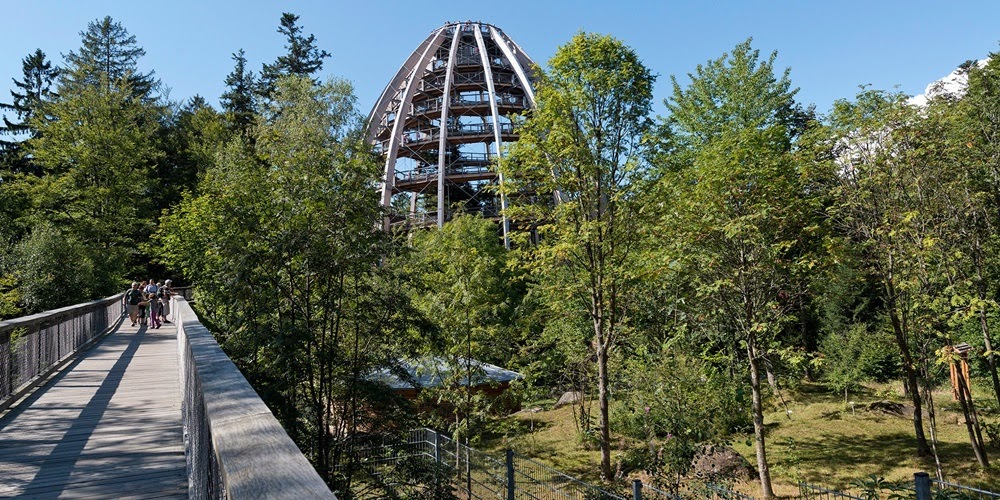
771	379
602	395
758	423
912	389
971	420
991	359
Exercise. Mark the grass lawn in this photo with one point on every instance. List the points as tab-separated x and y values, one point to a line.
819	441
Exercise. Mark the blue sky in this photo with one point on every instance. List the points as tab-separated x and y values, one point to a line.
831	46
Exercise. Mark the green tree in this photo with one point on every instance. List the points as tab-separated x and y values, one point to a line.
976	149
238	101
583	145
674	404
109	55
279	238
30	93
97	149
902	203
51	269
190	137
463	284
302	59
734	220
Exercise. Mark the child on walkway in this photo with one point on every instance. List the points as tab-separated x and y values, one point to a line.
154	311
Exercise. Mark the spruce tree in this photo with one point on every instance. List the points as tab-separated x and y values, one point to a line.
28	95
238	99
109	54
303	57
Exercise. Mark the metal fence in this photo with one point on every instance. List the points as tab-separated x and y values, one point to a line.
34	346
923	487
718	491
811	491
461	471
944	489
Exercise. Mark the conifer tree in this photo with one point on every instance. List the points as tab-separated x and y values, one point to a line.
39	75
303	57
109	54
238	100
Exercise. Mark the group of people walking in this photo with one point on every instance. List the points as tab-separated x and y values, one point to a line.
148	302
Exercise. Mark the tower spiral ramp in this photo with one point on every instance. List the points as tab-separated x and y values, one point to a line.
444	118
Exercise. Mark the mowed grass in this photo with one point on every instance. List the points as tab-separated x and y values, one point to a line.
819	441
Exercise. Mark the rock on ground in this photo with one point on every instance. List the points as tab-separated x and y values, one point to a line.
569	398
716	462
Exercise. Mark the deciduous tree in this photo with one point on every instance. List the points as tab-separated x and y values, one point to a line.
733	210
582	145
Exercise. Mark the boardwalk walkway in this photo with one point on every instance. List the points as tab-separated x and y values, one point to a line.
109	426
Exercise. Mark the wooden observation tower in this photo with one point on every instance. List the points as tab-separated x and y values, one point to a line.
443	120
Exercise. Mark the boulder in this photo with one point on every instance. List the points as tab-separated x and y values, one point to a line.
569	398
888	407
717	462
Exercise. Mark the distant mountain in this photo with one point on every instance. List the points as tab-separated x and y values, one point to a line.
953	84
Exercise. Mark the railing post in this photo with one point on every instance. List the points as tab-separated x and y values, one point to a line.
636	489
510	474
922	483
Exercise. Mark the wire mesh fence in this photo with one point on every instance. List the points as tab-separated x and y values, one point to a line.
811	491
427	464
32	345
713	490
944	489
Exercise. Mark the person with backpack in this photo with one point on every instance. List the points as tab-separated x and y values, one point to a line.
132	299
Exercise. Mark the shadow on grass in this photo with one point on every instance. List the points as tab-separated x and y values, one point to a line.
818	392
830	455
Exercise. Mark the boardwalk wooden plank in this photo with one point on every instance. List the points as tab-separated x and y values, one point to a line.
109	426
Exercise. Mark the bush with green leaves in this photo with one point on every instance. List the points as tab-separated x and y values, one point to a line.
51	269
672	404
856	355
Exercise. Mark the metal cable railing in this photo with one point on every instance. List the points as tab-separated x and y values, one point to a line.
34	346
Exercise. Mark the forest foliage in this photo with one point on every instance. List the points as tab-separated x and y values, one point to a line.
680	270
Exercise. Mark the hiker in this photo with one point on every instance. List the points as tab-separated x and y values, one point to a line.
151	287
132	298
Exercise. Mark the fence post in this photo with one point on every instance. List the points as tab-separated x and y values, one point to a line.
437	448
636	489
510	474
437	463
922	482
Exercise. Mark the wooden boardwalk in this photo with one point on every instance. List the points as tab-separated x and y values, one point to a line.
109	426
